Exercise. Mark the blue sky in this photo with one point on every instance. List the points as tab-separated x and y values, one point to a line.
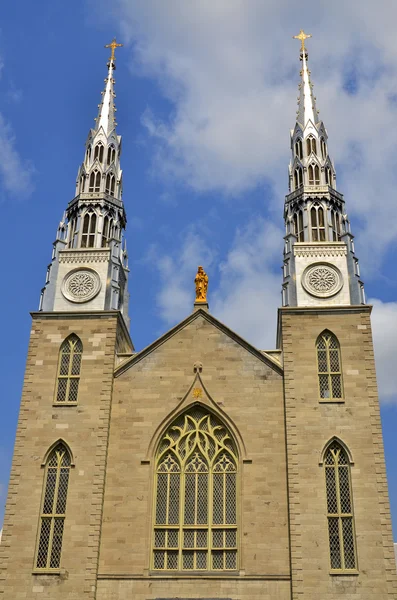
206	96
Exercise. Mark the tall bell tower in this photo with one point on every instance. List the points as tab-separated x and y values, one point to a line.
89	266
320	265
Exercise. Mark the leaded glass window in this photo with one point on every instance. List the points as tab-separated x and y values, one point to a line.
329	366
53	509
69	365
195	521
342	545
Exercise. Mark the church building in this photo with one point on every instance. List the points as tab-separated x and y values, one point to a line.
200	467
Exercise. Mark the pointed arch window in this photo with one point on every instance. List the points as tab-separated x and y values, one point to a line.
110	184
314	174
299	148
95	182
329	366
298	177
317	223
53	510
111	155
335	218
107	230
195	521
82	183
69	365
341	531
88	153
298	225
328	176
89	230
323	148
98	152
311	145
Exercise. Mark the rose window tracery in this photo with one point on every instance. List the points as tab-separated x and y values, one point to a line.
322	280
81	285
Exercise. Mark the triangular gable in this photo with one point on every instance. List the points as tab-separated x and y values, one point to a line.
263	357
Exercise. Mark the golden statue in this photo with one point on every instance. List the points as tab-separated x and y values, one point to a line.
201	281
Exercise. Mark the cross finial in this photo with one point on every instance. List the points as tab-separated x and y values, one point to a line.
302	37
113	45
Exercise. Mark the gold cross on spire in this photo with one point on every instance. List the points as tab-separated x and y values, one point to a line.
302	37
113	46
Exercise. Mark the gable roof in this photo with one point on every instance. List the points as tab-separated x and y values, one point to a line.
262	356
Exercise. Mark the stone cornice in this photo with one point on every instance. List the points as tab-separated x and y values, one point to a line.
320	249
79	255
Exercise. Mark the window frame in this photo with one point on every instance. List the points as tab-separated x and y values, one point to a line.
329	373
334	496
53	516
210	549
72	340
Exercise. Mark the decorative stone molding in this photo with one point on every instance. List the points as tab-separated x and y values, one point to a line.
81	285
322	280
79	256
320	251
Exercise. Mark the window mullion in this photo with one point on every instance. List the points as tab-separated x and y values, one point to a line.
338	503
210	514
181	516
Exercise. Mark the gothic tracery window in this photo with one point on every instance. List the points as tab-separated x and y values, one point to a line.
52	518
98	152
89	230
298	226
335	221
69	365
195	522
95	182
329	366
311	145
341	533
317	223
298	177
323	148
111	155
299	148
314	174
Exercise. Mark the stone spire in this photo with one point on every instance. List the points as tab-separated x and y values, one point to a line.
315	217
90	235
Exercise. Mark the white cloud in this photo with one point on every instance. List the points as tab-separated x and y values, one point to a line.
230	69
384	326
16	175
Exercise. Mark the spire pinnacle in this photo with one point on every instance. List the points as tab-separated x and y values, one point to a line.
307	110
107	110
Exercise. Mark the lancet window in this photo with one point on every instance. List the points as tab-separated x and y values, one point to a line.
69	365
82	183
52	518
298	225
95	182
298	177
107	230
311	145
317	223
299	148
335	221
111	155
89	230
328	176
98	152
314	174
110	184
323	148
195	521
329	366
342	544
88	153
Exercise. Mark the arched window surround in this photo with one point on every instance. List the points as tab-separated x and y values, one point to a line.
68	371
200	546
329	367
337	462
57	463
299	148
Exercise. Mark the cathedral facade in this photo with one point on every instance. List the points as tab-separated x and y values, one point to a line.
200	467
